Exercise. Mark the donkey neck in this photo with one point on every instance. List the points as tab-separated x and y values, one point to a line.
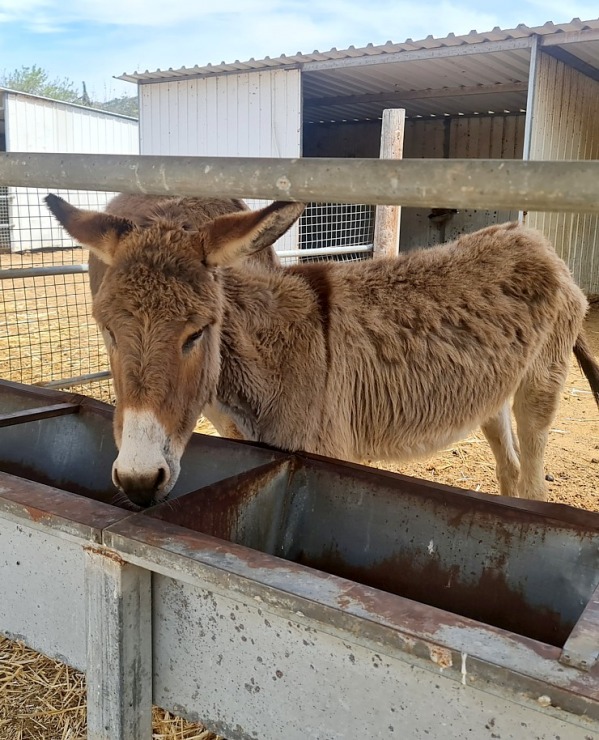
274	322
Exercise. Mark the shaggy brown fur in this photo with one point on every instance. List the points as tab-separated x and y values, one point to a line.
188	213
387	359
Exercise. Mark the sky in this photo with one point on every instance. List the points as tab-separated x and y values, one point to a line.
95	40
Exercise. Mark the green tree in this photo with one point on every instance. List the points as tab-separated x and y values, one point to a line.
125	105
36	81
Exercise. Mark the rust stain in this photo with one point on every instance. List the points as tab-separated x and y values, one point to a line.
35	514
105	553
440	656
219	510
491	600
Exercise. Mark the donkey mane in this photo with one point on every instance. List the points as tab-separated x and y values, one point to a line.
382	359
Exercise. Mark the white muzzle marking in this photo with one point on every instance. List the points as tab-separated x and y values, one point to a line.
145	450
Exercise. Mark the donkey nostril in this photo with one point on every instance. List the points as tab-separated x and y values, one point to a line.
161	478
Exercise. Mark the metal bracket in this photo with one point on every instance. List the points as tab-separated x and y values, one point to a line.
581	649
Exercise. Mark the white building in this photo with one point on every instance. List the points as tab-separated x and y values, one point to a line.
29	123
524	93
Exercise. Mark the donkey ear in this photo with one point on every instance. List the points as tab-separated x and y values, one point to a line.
237	235
101	232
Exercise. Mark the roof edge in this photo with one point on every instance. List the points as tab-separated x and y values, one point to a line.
89	108
298	60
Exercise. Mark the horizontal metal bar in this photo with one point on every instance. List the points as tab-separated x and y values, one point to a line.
45	412
77	380
448	183
31	272
324	251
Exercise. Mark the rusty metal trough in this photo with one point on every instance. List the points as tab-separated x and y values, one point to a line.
278	595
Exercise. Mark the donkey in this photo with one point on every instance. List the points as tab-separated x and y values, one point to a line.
386	359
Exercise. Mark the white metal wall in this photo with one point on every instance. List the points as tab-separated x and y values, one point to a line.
255	114
38	125
566	127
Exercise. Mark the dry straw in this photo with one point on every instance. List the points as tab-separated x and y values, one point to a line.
42	699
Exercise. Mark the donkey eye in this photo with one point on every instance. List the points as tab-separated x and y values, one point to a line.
192	339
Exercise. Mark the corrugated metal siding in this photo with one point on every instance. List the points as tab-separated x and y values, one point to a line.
470	137
39	125
245	115
36	125
565	126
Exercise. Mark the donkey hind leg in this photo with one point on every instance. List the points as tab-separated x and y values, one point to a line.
535	404
500	436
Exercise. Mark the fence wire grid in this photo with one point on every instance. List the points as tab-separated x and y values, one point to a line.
47	333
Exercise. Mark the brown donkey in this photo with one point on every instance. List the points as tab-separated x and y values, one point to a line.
387	359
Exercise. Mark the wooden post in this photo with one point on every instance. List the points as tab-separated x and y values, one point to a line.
386	226
119	648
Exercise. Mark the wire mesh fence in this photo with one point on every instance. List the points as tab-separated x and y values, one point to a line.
336	228
47	333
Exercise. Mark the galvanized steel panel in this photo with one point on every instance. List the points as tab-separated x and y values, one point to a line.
487	59
227	116
247	670
563	31
38	125
470	137
43	592
565	116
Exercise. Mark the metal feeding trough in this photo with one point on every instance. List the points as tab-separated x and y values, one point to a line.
293	596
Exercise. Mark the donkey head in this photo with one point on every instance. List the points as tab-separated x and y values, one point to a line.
160	308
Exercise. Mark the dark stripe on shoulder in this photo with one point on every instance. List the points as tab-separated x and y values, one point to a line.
318	278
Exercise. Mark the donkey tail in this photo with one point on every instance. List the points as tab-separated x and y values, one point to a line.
587	364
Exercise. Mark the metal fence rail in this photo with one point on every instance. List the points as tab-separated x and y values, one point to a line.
455	183
47	335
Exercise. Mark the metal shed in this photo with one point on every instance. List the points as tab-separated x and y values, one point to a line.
523	93
30	123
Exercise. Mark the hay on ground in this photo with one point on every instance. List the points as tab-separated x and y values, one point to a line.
42	699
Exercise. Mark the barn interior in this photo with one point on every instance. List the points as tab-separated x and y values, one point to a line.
518	100
522	93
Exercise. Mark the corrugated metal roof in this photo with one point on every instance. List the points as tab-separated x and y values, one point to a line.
470	74
306	61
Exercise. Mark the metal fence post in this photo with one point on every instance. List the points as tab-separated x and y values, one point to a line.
119	648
